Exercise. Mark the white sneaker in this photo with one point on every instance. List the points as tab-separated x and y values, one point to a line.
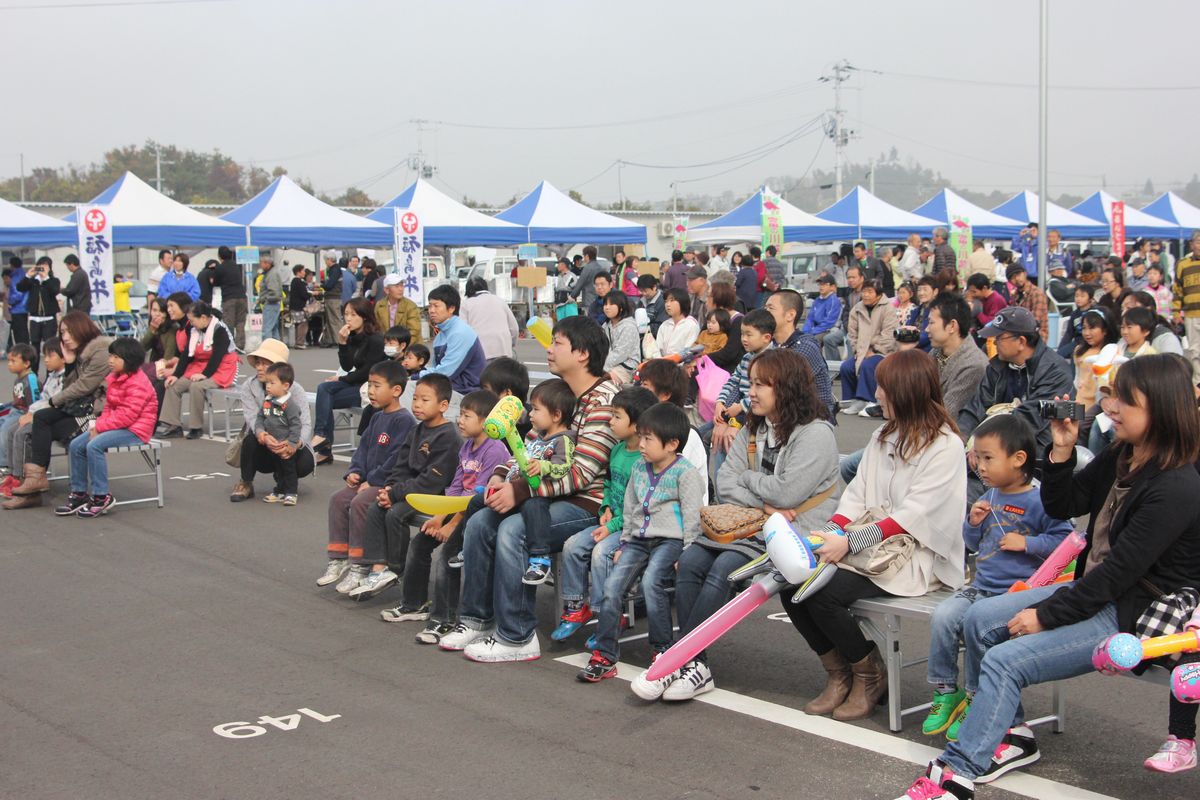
652	690
854	407
334	571
463	635
695	678
373	584
491	650
353	578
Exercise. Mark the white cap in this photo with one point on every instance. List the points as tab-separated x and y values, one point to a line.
393	279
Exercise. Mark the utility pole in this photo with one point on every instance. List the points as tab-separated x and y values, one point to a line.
871	174
620	191
22	177
158	165
1043	140
835	129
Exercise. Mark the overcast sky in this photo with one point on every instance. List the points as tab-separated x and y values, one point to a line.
327	89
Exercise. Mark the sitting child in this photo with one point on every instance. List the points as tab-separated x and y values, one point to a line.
395	345
589	552
669	384
662	516
17	446
280	417
549	448
24	393
716	331
129	415
758	335
415	358
1011	535
373	459
425	465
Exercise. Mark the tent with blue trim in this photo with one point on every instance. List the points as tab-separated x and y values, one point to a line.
548	216
984	224
1179	212
447	221
20	227
744	224
143	217
1098	207
872	218
284	215
1023	207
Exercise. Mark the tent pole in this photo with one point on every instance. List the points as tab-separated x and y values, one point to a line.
1043	124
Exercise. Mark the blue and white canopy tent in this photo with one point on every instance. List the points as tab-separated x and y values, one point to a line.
1179	212
550	217
872	218
744	224
20	227
142	217
1023	207
1098	207
448	222
284	215
984	224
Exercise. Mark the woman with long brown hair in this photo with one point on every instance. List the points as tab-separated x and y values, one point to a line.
897	531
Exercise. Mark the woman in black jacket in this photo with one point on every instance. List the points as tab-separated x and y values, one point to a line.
42	303
360	348
1143	541
298	297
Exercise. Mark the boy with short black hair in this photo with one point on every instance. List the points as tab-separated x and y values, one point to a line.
21	358
548	449
373	459
662	516
396	341
425	465
758	332
20	435
280	417
590	551
415	358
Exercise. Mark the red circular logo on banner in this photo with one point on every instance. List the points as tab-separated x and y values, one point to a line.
408	222
95	220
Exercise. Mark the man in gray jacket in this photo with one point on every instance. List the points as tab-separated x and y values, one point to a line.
585	290
960	362
77	291
270	294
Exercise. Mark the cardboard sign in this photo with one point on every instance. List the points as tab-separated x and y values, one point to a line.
649	268
531	277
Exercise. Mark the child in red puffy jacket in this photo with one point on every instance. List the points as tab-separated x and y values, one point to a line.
130	412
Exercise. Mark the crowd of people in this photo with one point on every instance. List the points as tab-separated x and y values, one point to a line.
705	387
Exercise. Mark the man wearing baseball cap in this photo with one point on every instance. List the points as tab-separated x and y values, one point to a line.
1024	370
396	309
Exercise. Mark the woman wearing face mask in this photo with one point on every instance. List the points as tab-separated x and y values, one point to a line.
208	361
262	452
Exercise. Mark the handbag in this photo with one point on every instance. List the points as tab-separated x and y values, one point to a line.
233	451
710	379
312	307
885	559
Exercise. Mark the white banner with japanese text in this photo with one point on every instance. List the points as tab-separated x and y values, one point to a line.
96	255
409	253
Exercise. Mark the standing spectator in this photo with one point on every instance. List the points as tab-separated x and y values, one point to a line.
626	276
207	362
909	266
349	284
298	297
1025	245
17	299
41	289
870	336
718	262
270	294
395	309
980	261
179	279
332	288
888	269
837	268
1058	253
653	301
78	290
229	279
697	286
1030	297
206	279
1162	256
745	282
491	319
776	271
585	286
676	274
370	274
943	254
457	353
1185	306
868	265
166	262
564	282
960	362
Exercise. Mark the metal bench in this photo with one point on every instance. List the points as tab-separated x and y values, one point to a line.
150	452
879	618
344	419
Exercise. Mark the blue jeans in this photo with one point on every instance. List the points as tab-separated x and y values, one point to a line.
860	384
88	461
1009	665
702	585
331	395
6	429
654	560
495	558
270	322
946	631
849	465
581	557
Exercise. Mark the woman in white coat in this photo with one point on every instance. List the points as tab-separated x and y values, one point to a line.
897	531
679	331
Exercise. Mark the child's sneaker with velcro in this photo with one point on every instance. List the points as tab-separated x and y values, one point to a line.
99	504
940	783
75	502
335	570
598	668
352	579
1175	755
959	721
373	584
455	561
571	621
944	709
537	572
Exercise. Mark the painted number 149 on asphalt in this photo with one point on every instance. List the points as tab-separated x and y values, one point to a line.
288	722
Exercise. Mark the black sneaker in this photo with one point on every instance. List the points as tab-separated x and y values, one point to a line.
537	572
597	669
455	561
1017	749
434	632
75	501
193	433
97	505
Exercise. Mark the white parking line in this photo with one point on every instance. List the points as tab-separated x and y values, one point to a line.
873	741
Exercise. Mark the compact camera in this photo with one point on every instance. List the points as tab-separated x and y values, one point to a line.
906	335
1061	410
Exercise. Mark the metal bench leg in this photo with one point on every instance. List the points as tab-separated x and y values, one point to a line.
1060	707
158	478
895	663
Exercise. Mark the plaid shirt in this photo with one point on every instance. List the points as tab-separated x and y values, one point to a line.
1033	300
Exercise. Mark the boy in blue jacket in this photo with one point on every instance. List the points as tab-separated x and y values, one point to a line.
373	459
826	308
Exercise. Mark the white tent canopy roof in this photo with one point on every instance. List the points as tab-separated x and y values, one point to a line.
872	218
284	215
1175	209
447	221
744	224
20	227
549	215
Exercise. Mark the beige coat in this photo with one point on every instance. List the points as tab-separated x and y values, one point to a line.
927	498
87	377
870	330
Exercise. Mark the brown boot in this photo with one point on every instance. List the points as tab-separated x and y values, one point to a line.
241	491
837	685
28	501
35	482
870	684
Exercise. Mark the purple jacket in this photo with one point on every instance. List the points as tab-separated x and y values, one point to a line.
676	277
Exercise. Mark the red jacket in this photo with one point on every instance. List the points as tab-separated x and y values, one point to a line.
130	404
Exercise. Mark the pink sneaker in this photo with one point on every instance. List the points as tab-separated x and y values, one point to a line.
1175	755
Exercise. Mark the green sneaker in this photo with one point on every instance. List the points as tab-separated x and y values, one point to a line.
952	731
942	711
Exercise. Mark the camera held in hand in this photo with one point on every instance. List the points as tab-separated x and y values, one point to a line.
1061	410
907	335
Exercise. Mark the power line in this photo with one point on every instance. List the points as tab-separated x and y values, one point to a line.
109	4
1012	85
